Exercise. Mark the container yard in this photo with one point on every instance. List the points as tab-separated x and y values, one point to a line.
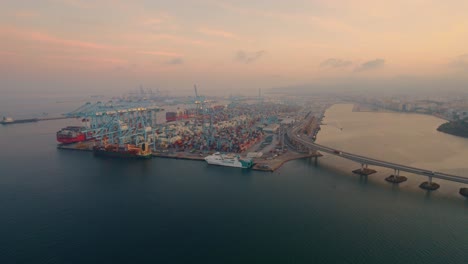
249	130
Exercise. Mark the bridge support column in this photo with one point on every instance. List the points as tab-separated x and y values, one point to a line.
429	185
464	192
364	170
396	178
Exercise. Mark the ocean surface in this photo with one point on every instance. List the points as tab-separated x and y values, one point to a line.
61	206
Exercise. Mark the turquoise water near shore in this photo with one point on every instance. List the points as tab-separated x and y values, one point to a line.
71	207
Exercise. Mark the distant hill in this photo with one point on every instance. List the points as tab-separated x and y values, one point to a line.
457	128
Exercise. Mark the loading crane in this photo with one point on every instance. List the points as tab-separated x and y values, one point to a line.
119	122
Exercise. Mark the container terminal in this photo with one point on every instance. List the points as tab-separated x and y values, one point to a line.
253	134
241	130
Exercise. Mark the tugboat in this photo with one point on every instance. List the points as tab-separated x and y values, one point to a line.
7	120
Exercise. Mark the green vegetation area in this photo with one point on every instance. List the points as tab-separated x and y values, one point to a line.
457	128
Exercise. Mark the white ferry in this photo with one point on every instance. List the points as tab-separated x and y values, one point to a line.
230	160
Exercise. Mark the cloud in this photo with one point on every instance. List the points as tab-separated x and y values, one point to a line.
3	52
175	61
94	60
335	63
157	21
460	62
161	53
248	57
217	33
41	37
78	3
25	14
326	23
151	21
53	40
45	38
371	65
180	39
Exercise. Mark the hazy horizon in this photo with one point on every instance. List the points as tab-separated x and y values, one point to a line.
113	46
355	152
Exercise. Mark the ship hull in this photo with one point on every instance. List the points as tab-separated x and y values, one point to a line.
71	134
179	115
70	140
228	161
123	155
19	121
226	164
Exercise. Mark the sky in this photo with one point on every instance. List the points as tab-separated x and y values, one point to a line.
229	46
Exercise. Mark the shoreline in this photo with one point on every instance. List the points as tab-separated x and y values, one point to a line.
260	164
357	108
454	128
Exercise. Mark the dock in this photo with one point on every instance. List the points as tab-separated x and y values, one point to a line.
268	164
9	121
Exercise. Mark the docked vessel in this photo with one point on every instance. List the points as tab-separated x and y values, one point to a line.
229	160
9	120
180	114
71	134
125	151
171	116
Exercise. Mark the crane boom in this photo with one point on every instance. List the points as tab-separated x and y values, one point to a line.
196	92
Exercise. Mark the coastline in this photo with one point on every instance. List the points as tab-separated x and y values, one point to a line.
261	164
454	128
366	109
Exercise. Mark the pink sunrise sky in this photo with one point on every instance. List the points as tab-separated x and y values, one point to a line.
116	45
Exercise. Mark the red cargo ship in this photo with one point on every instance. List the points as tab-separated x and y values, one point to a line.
71	134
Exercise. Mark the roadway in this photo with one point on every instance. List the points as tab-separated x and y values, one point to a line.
303	139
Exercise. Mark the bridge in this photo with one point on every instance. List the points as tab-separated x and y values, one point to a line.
295	135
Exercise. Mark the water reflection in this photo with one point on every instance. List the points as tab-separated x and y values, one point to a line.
409	139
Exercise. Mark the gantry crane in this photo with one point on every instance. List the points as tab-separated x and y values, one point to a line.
121	122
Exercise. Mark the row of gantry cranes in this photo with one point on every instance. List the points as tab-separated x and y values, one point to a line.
123	122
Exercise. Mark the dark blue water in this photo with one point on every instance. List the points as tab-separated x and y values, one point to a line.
70	207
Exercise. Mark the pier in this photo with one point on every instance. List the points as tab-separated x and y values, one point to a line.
260	164
7	121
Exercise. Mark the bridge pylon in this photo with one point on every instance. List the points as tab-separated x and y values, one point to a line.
364	170
395	177
464	192
429	185
313	153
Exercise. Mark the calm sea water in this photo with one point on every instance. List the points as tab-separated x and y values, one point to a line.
70	207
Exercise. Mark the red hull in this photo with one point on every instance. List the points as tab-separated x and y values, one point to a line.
179	115
71	134
69	140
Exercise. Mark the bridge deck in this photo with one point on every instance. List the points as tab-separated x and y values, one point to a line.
371	161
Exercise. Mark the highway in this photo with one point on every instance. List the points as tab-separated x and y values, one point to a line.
303	139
